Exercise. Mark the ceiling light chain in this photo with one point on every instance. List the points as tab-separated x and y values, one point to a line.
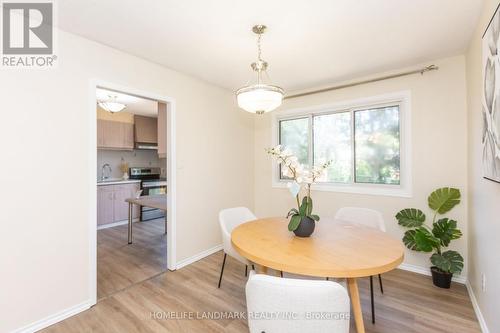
259	98
259	58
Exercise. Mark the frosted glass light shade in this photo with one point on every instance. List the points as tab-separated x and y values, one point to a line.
259	98
112	106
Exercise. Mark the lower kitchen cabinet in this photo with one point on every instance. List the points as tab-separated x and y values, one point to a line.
111	205
105	205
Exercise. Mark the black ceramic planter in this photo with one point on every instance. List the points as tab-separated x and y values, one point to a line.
441	279
306	227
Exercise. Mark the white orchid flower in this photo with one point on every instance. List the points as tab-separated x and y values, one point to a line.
291	166
294	188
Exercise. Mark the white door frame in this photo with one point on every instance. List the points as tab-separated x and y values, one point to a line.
171	175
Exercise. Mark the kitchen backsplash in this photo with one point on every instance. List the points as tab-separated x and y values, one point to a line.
136	158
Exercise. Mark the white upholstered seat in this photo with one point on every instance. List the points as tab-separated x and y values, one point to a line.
369	218
229	219
296	306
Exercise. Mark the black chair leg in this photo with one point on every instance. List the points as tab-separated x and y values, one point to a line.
380	282
373	304
246	270
327	279
222	270
253	267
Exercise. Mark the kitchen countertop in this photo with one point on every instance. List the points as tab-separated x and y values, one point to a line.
117	181
153	201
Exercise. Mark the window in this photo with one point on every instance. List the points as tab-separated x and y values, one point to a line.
364	142
376	140
294	135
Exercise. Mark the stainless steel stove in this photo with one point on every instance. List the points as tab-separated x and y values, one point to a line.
151	184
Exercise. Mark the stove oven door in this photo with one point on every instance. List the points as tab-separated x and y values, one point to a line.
152	188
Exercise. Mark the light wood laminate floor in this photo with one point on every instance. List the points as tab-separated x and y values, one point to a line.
120	265
410	303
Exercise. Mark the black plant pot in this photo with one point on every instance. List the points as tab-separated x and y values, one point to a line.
305	228
441	279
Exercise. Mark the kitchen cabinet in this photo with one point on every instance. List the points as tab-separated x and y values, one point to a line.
111	205
162	130
104	205
115	135
128	135
100	133
146	129
120	207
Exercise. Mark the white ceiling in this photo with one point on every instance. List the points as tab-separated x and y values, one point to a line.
135	105
308	43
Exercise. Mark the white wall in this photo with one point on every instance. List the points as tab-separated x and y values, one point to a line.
438	110
484	195
44	252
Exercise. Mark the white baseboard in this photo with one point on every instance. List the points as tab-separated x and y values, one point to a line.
52	319
477	310
426	271
198	256
115	224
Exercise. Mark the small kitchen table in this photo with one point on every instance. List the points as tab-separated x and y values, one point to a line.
152	201
336	249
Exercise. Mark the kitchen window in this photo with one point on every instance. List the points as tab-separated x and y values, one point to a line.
367	141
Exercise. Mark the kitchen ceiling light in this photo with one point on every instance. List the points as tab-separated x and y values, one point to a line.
112	105
260	97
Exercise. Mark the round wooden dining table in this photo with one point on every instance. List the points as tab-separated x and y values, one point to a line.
336	249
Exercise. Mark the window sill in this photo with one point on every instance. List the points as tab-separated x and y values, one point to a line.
380	190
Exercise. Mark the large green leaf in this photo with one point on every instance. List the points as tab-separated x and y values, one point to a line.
425	240
314	217
409	240
444	199
309	206
306	206
410	217
294	222
303	207
292	212
420	239
449	261
446	230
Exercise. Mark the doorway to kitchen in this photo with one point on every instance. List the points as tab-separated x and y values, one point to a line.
132	225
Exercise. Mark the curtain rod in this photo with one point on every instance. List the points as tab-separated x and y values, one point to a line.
347	85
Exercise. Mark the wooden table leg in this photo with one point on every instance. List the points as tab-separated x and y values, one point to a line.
356	304
130	222
263	269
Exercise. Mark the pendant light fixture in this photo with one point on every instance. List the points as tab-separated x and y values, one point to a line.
111	105
260	97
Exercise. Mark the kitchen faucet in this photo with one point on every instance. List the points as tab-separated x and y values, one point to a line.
103	177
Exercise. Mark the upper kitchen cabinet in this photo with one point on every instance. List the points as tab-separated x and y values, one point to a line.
162	130
115	135
146	132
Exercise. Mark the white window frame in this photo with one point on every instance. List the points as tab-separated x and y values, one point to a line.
402	99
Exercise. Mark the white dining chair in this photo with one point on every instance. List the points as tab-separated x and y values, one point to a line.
369	218
296	306
229	219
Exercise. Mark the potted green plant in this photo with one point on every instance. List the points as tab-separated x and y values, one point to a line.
302	220
437	237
